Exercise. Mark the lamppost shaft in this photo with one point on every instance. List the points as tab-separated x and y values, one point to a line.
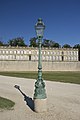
40	92
40	60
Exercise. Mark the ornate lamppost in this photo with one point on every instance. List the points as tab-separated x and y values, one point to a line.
40	93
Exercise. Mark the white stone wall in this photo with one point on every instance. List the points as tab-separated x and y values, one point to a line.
33	66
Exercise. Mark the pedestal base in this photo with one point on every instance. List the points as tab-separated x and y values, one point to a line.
40	105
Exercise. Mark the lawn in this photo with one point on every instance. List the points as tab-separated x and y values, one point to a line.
70	77
6	103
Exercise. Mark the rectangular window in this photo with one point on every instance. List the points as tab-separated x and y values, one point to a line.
6	52
14	52
25	52
21	52
11	52
44	52
29	52
3	52
29	57
18	52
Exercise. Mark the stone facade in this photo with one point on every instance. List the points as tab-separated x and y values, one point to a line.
26	59
31	54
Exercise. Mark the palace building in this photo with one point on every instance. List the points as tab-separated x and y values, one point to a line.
31	54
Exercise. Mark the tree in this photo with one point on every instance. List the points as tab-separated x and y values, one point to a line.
47	43
1	43
19	41
33	42
66	46
56	45
50	43
77	46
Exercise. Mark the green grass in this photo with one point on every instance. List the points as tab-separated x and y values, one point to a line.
6	103
70	77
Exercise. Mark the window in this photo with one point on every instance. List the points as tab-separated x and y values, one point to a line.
14	52
11	52
18	52
51	53
53	58
44	52
6	52
3	52
29	52
21	57
48	53
43	57
25	52
17	57
65	58
6	57
46	57
58	52
57	58
37	52
50	58
62	58
29	57
22	52
54	53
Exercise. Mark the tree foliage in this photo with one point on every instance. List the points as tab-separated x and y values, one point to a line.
19	41
47	43
33	42
57	45
77	46
1	43
50	43
66	46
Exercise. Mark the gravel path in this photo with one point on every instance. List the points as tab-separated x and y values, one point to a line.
63	100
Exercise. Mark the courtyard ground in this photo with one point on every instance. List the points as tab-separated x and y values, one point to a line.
63	100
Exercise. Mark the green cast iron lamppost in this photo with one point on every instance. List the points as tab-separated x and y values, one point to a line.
40	93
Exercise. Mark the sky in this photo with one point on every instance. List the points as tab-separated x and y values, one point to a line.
61	18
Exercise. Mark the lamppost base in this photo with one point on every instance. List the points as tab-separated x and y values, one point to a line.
40	105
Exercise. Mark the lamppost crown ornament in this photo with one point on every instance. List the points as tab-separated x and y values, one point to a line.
39	27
